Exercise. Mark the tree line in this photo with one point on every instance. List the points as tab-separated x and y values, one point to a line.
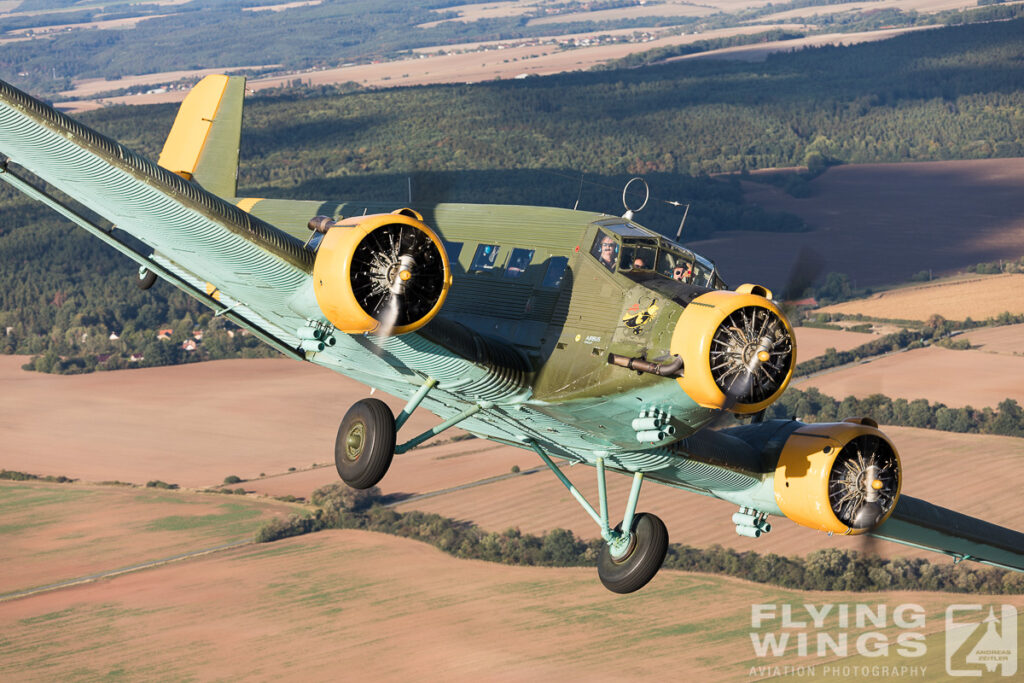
339	507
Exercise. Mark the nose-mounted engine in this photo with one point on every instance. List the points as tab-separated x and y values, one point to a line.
839	477
737	347
384	273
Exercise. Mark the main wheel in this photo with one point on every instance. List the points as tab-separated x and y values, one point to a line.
648	545
365	444
146	281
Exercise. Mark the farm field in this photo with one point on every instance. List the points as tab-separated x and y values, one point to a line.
812	342
875	222
537	502
191	425
980	297
94	528
1006	339
955	378
516	58
136	435
309	607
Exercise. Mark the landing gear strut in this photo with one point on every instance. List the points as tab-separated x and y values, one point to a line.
635	549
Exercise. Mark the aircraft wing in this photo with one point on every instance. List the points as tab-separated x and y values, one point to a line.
920	524
188	230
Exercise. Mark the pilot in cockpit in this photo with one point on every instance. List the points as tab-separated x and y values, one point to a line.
606	251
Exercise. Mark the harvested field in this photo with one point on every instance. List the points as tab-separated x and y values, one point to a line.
879	223
812	342
514	60
56	532
88	87
105	24
980	297
194	425
537	502
955	378
311	607
922	6
1006	339
127	425
282	7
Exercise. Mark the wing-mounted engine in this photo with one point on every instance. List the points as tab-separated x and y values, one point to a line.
841	477
737	347
384	273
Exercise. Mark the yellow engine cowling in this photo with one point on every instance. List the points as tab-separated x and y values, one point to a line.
841	477
737	347
383	269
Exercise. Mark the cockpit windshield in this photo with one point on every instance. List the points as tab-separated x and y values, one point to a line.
629	249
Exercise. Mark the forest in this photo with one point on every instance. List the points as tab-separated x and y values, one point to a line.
946	93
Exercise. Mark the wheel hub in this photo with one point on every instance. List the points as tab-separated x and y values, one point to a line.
621	545
354	442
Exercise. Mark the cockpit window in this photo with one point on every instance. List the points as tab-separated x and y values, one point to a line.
638	257
605	250
641	250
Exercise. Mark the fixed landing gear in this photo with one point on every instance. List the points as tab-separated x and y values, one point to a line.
640	555
366	438
635	549
365	444
146	279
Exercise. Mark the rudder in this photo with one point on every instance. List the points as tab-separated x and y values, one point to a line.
203	142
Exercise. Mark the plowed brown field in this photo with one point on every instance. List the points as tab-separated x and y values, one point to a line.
812	342
934	466
955	378
882	223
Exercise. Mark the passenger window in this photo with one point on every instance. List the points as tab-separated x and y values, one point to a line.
518	262
453	249
605	250
485	259
556	271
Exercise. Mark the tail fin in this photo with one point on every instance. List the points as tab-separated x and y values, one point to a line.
203	142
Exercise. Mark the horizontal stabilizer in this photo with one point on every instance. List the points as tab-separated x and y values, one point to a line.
920	524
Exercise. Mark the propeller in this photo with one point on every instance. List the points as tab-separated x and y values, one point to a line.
397	275
863	482
806	269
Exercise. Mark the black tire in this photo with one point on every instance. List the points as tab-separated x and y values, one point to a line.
646	553
146	281
365	444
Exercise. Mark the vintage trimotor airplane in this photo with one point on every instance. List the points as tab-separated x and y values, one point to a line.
582	336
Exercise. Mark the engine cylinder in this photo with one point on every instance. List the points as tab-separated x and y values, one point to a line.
385	272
